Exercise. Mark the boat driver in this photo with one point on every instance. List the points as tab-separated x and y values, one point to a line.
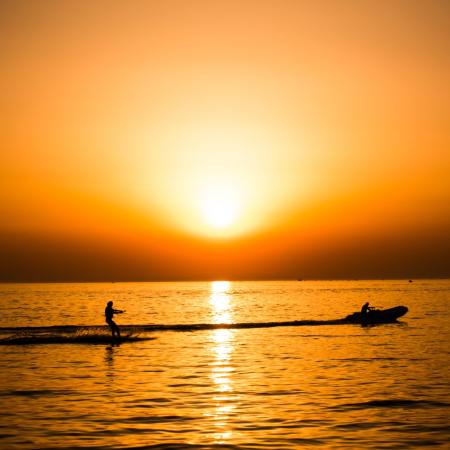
365	309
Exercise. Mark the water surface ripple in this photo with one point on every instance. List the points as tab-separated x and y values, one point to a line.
287	387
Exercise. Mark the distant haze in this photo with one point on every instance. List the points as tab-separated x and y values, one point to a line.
172	140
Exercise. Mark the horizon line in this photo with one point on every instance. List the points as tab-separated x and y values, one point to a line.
413	279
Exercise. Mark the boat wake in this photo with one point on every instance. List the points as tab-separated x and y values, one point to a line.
89	331
82	336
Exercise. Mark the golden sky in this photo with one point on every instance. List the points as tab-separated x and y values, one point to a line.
224	139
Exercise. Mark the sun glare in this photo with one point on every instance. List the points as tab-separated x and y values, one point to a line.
220	208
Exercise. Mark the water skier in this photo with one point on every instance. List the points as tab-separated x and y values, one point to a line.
109	313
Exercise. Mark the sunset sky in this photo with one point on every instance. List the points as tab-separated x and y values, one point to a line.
184	139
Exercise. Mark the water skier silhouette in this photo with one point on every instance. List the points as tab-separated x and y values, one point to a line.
109	314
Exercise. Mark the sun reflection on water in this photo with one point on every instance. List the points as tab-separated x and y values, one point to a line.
221	367
220	301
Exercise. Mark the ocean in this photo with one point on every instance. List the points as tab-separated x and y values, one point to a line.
313	385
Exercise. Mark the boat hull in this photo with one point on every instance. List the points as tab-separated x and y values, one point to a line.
378	316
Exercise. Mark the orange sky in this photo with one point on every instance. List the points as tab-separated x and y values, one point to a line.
224	139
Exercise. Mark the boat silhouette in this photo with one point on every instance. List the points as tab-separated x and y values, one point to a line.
378	315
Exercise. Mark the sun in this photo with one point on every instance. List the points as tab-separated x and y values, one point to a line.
219	208
218	214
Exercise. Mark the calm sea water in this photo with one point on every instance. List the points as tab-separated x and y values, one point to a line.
341	386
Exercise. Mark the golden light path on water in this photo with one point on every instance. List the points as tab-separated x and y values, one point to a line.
220	301
221	367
